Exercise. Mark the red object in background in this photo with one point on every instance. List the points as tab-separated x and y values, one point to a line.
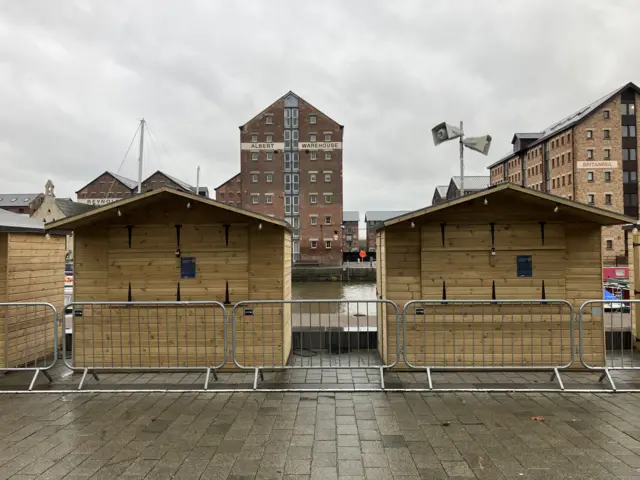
615	272
363	254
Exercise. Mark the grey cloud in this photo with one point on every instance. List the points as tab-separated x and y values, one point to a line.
75	77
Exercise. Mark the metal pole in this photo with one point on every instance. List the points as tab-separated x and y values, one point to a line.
198	181
461	160
140	155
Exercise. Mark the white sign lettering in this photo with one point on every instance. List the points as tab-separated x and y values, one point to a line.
262	146
598	164
98	201
320	146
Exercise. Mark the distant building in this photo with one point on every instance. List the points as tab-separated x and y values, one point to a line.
230	192
291	168
25	203
440	194
350	224
373	220
472	184
110	187
590	156
53	209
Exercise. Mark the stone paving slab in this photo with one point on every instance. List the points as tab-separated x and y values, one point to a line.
395	436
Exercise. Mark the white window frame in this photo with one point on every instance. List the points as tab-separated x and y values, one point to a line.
254	138
327	244
287	161
254	156
269	139
287	118
287	138
294	117
314	219
255	198
295	136
287	183
313	199
313	156
329	196
325	220
268	198
589	197
269	156
254	178
313	119
590	153
313	244
327	137
313	178
268	120
589	134
295	160
327	178
313	138
327	155
269	178
287	205
295	205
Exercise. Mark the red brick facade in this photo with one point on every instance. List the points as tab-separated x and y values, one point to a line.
282	175
230	192
104	189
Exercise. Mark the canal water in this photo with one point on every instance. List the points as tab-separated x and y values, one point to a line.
356	307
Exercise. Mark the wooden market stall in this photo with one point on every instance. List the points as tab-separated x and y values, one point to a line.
503	243
166	245
31	270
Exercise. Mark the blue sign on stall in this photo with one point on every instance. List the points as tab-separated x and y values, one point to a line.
188	267
524	265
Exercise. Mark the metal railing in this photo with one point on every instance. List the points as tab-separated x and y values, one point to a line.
146	337
326	334
607	337
29	338
488	335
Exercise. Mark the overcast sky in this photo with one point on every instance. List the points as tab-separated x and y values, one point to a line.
76	77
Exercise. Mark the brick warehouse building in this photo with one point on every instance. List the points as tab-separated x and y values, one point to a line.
589	156
291	167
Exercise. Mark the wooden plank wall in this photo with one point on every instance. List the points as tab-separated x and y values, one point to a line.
584	282
249	266
402	271
34	273
3	288
467	270
287	295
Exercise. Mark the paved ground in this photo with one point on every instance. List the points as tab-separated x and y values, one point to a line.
320	436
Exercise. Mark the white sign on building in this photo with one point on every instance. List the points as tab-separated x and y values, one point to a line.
98	201
262	146
598	164
320	146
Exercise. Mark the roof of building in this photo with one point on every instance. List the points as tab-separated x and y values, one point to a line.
290	92
350	216
474	182
15	222
16	199
127	181
227	181
442	190
69	208
514	193
381	215
86	218
526	136
570	120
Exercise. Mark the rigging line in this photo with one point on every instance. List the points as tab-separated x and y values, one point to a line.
123	159
155	139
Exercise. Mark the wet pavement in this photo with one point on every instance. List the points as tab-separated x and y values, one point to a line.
323	436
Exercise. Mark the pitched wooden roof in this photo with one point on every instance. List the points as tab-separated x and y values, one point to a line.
96	214
512	194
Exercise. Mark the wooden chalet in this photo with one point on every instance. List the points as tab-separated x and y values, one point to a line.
505	242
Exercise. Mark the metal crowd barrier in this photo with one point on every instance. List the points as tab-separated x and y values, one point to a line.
607	338
488	335
29	338
148	337
326	334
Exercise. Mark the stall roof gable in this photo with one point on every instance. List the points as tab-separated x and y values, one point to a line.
596	215
71	222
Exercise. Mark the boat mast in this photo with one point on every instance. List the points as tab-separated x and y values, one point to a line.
140	153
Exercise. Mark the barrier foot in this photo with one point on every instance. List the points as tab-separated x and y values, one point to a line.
46	374
84	375
429	379
255	378
606	374
556	376
33	380
206	379
382	378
